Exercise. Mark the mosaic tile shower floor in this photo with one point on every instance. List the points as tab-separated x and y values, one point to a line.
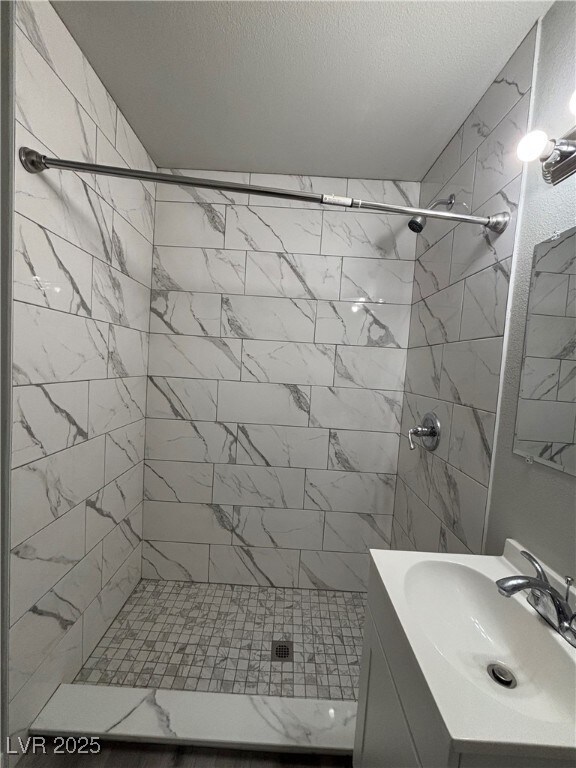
216	637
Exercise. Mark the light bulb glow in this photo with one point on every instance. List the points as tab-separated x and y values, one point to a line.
572	103
531	146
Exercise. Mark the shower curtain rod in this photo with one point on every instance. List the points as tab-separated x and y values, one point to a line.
35	162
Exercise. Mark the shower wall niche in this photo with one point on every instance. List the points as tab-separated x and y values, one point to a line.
82	270
277	356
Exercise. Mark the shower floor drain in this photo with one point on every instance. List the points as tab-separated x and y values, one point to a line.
282	650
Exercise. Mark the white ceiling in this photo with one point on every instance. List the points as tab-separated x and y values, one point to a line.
365	89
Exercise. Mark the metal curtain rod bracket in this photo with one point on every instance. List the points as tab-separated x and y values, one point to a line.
35	162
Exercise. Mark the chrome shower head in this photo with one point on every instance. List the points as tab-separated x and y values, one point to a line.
417	223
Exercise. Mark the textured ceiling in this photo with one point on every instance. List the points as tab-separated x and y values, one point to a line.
365	89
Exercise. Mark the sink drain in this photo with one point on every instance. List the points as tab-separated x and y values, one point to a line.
502	675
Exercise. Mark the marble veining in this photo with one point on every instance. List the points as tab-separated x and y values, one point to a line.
370	368
127	352
423	369
178	481
474	248
288	362
262	403
55	44
50	271
108	508
118	299
33	74
304	375
349	491
113	403
458	320
45	489
269	527
39	562
382	281
271	567
484	302
252	317
196	314
66	206
197	357
53	346
512	83
357	451
179	521
362	324
251	721
174	398
47	418
471	373
460	502
198	269
258	486
82	273
369	235
134	200
298	183
271	229
497	162
174	560
471	442
280	446
42	627
124	449
437	318
354	532
350	408
184	193
190	440
293	275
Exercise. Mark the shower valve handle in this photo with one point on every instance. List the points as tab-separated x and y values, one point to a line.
417	432
429	431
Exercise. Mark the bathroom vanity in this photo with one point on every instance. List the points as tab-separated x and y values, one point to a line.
429	696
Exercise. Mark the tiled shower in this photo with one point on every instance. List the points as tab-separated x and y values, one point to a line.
276	369
211	393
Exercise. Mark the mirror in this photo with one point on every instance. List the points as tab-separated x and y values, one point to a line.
546	414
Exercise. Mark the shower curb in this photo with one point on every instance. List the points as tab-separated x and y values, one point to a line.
237	721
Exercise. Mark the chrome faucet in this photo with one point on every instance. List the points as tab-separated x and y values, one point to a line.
544	598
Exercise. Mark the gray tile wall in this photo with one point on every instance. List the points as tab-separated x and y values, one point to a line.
277	358
82	272
461	281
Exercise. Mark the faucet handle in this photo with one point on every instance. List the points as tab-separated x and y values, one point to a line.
414	432
540	572
569	580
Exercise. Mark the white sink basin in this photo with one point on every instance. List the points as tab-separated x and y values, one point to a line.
471	626
457	623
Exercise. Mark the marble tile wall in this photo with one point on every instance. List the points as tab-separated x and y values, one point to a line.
82	274
276	371
461	281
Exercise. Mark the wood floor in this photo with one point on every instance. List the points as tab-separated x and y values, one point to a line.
119	755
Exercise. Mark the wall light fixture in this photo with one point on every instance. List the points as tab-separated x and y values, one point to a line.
558	156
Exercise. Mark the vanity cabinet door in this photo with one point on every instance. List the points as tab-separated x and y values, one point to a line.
383	738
